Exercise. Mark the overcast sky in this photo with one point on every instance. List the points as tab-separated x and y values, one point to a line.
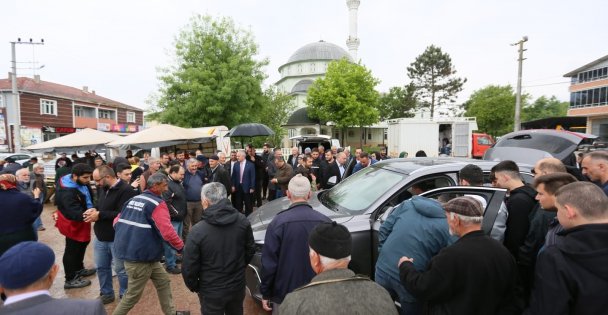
115	46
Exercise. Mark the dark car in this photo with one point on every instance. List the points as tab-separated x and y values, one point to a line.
362	201
529	146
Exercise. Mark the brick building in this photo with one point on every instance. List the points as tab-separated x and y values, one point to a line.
589	95
49	110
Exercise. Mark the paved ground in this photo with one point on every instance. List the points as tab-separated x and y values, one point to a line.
148	305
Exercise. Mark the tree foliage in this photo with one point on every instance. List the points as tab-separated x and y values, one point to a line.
399	102
346	95
494	107
544	107
277	108
215	80
434	77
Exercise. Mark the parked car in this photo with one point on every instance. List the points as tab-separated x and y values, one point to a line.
314	141
363	201
529	146
19	157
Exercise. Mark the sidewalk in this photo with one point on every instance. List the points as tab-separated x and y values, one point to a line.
148	305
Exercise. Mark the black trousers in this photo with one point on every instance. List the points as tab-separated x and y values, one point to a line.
73	257
240	197
265	185
229	304
258	192
272	193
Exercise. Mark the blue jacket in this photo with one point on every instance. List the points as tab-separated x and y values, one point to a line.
418	229
193	191
141	229
358	166
248	177
285	259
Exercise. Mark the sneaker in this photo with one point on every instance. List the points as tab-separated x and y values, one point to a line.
107	299
174	270
86	272
76	283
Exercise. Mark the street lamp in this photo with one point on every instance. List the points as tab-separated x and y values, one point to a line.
517	123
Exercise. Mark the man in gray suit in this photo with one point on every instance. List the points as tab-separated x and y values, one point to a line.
27	271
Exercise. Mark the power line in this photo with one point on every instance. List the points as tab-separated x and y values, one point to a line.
555	83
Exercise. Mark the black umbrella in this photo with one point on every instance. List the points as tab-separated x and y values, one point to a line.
250	130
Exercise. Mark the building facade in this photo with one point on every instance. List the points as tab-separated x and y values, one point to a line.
305	65
49	110
589	95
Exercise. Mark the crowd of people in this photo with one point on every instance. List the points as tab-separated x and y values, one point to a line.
545	253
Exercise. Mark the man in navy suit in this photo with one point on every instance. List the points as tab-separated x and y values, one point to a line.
243	183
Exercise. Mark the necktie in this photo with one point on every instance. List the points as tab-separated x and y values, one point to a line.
242	170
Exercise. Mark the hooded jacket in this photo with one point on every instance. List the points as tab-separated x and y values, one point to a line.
418	229
520	204
572	276
72	201
218	249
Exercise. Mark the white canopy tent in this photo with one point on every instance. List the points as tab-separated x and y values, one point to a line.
161	136
87	139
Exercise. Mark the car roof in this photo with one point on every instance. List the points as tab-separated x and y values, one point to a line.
410	166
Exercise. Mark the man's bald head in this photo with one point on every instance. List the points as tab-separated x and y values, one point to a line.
549	165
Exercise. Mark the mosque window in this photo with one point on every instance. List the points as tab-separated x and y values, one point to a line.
312	67
299	68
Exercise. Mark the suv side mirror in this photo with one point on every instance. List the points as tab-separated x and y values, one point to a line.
386	213
332	181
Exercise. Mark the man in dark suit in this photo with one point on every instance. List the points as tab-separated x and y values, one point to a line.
27	271
293	158
330	168
243	183
218	173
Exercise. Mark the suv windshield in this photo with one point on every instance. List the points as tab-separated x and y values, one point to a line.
358	192
547	143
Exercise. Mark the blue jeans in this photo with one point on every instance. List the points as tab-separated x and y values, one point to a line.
398	292
104	254
169	251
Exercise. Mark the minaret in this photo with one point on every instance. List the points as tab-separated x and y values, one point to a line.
353	41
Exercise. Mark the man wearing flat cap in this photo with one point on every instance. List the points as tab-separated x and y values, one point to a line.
475	275
336	289
27	271
219	174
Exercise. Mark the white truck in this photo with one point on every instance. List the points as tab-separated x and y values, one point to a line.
445	136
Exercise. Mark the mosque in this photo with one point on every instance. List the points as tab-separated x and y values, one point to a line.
309	63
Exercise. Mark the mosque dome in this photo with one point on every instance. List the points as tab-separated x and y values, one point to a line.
320	50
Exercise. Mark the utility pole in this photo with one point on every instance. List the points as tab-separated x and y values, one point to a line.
517	123
15	143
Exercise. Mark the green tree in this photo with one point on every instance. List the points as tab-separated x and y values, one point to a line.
398	102
494	107
434	77
215	79
346	96
277	108
544	107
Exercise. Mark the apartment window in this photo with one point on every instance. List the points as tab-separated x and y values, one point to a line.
1	100
591	75
81	111
48	107
587	98
131	117
106	114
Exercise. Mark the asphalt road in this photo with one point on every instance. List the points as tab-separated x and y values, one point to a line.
148	305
